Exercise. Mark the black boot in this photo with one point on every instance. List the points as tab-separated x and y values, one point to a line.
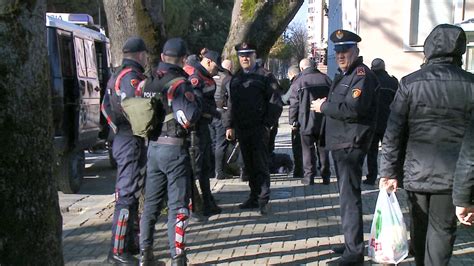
212	209
223	175
146	257
243	175
122	259
179	260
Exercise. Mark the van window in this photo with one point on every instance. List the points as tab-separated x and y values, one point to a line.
67	56
90	59
80	57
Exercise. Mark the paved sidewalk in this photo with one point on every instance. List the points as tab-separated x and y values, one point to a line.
303	227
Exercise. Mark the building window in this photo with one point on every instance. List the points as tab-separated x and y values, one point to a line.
426	14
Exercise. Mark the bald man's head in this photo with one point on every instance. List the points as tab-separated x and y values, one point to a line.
305	63
293	71
227	64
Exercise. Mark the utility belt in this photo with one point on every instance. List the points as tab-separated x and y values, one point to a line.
168	141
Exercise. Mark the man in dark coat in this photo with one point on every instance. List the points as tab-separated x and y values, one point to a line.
254	106
385	94
421	145
348	127
310	85
293	74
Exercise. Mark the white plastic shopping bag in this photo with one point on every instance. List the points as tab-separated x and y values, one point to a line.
388	241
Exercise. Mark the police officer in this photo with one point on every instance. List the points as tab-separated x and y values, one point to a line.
348	128
168	168
128	150
310	85
217	130
254	106
201	77
293	74
386	93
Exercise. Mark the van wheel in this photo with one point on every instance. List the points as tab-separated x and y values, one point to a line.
112	160
71	171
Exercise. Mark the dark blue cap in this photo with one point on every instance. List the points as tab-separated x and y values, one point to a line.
175	47
344	39
214	57
134	45
245	48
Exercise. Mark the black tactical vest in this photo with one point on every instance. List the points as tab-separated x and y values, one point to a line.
170	127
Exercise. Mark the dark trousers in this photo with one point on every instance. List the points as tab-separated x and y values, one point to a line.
311	162
254	148
271	141
130	154
168	176
372	158
204	163
348	163
219	144
433	227
297	153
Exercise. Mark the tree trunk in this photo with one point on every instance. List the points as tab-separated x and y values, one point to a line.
143	18
259	22
30	224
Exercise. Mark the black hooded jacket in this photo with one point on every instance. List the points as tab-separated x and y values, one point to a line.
429	116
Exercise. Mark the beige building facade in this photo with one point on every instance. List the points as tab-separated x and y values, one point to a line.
395	30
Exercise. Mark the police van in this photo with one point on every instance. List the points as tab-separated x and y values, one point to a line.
79	57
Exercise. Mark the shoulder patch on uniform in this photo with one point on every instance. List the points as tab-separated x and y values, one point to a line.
194	82
360	71
356	93
134	82
189	96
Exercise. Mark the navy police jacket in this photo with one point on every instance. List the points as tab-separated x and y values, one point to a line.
350	110
179	100
254	100
130	74
204	87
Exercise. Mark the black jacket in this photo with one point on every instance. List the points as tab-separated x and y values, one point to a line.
463	186
385	94
429	115
309	86
254	100
350	111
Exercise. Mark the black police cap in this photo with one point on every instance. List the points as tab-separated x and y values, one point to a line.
214	57
344	39
134	45
243	48
175	47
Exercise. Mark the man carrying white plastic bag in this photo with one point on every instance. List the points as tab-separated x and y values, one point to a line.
388	235
421	145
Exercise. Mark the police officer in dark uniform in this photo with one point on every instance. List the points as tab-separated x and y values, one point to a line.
128	150
201	77
254	106
349	127
168	169
385	95
310	85
217	130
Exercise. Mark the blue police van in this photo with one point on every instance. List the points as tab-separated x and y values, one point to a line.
79	57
